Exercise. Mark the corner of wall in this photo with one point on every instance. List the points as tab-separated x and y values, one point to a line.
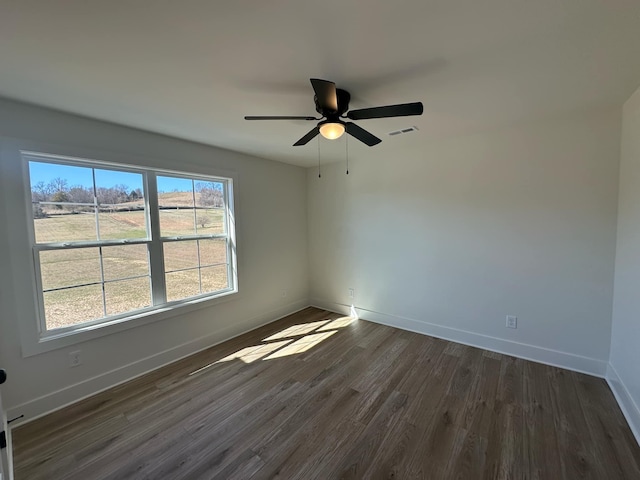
629	408
622	370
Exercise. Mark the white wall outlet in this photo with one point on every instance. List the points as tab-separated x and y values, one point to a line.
512	321
74	359
284	292
352	293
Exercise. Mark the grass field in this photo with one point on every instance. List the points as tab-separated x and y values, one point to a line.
117	225
70	268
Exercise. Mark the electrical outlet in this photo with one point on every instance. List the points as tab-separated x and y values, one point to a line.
283	294
512	321
74	359
352	293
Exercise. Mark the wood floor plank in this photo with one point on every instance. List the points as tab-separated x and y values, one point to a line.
317	396
541	451
358	459
605	428
577	451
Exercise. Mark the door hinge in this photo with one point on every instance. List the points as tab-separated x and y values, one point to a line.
3	440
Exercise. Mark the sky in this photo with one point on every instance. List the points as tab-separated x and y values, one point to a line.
45	172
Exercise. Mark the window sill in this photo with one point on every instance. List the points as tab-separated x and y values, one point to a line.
54	341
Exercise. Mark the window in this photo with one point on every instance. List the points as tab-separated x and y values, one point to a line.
111	242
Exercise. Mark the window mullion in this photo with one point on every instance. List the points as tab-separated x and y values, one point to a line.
42	324
158	285
230	230
199	266
96	207
104	293
193	197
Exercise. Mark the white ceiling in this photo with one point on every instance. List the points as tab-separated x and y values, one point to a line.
193	69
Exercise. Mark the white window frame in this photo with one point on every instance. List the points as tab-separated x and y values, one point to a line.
160	309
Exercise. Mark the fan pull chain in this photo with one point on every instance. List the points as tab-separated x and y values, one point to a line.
346	142
319	175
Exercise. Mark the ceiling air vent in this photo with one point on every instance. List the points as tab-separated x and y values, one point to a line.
403	130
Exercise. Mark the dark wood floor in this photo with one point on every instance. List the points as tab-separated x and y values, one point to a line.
328	399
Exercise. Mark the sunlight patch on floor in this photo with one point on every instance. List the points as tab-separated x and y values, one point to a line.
286	346
251	354
337	323
247	355
302	345
296	330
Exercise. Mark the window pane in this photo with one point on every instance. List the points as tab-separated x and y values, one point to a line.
209	194
121	225
175	191
59	225
53	183
182	284
175	199
120	189
125	261
127	295
122	210
73	306
213	252
209	207
214	278
62	185
179	255
65	268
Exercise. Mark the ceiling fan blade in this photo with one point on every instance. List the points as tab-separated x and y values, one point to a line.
401	110
250	117
362	135
304	140
326	94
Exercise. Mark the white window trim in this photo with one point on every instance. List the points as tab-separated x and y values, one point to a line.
32	340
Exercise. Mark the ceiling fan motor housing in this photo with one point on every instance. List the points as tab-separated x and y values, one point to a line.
343	97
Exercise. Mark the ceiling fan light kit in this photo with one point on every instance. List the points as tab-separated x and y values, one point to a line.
331	130
332	103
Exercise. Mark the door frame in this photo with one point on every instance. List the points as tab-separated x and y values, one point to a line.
6	452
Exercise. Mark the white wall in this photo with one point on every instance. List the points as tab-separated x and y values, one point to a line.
450	238
624	374
272	255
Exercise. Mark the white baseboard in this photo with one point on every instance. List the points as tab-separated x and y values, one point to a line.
625	400
577	363
51	402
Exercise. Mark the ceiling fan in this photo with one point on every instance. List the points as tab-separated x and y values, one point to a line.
332	103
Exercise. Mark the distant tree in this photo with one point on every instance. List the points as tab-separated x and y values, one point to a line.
121	193
58	185
105	195
60	196
113	195
80	194
40	192
210	194
203	220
